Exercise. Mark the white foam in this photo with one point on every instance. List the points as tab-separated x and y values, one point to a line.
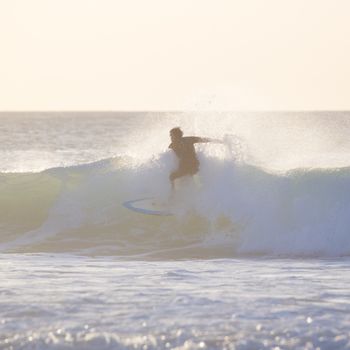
305	212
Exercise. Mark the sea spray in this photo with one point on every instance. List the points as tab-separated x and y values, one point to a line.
76	208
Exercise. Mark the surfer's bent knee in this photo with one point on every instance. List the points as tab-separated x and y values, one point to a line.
181	173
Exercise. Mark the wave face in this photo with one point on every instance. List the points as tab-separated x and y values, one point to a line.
231	209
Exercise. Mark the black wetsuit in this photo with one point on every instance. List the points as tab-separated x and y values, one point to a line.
185	151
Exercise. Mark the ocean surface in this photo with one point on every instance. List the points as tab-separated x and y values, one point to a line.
255	256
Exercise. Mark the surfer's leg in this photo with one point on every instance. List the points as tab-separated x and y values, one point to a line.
176	175
182	172
173	176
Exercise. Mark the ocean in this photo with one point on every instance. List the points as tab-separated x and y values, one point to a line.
255	256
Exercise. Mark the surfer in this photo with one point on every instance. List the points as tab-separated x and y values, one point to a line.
186	153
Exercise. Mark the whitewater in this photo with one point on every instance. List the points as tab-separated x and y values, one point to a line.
256	255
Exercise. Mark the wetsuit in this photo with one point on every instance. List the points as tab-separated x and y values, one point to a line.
185	151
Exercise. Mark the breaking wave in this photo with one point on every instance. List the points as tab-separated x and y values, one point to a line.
231	209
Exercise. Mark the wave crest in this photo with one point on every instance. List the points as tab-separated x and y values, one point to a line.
236	209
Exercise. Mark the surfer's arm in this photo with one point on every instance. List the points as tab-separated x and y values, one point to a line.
205	140
213	140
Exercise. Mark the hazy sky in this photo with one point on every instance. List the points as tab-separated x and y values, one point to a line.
174	55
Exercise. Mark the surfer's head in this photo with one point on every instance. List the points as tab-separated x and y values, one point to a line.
175	134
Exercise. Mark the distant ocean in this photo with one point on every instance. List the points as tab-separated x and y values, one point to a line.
256	255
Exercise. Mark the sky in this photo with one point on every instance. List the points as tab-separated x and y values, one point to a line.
174	55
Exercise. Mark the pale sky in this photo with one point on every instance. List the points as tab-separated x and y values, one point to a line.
174	54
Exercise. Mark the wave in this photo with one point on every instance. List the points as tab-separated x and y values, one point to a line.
231	209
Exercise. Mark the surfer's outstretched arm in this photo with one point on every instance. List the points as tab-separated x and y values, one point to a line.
207	139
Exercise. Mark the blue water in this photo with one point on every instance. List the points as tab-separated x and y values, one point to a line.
256	255
63	301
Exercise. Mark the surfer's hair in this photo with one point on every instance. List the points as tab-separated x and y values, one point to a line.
176	132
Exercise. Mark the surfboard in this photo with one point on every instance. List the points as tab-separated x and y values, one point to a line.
148	206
